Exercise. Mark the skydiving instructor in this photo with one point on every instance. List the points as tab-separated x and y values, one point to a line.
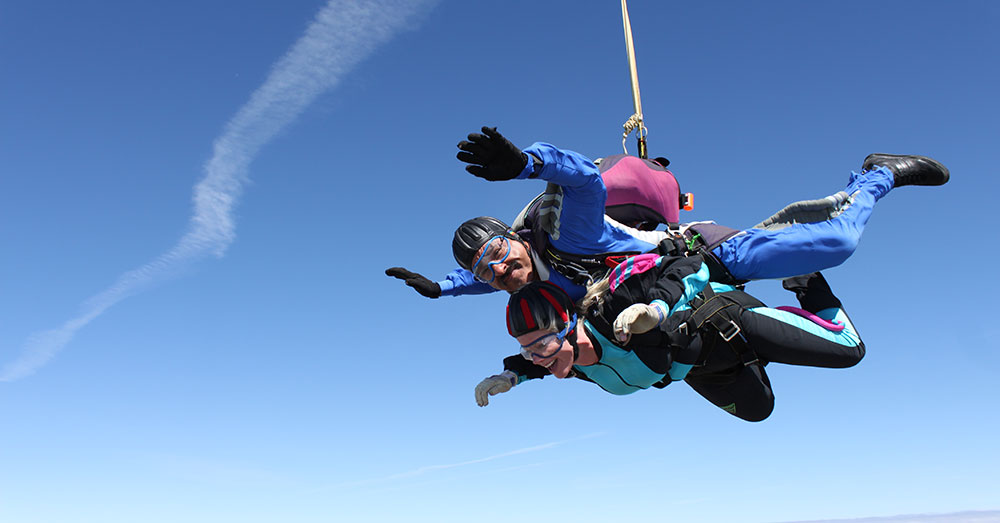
493	257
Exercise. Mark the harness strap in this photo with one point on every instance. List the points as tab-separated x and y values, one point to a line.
721	312
692	243
697	244
583	269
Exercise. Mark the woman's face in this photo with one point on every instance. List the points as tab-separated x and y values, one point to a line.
545	348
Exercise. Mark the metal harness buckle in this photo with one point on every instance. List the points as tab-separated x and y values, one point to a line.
728	336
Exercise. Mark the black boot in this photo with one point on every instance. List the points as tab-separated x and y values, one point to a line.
812	291
908	169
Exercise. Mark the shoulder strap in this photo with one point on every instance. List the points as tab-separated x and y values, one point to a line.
583	269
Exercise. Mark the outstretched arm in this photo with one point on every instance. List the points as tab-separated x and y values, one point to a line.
492	157
516	370
460	282
493	385
456	283
418	282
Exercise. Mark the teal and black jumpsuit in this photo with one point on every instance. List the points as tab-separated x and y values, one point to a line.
718	338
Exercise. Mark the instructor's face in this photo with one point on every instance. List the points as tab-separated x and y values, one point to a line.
515	271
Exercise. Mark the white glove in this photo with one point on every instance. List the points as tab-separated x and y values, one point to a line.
494	385
637	319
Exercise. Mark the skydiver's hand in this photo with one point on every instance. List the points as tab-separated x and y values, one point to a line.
494	385
491	156
637	319
418	282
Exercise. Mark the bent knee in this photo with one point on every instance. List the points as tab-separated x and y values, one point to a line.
859	354
756	411
851	357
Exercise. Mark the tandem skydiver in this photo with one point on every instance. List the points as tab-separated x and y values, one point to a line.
493	257
657	320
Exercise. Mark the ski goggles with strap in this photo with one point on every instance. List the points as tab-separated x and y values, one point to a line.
496	251
540	348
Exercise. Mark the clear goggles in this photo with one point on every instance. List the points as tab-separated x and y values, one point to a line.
543	347
496	251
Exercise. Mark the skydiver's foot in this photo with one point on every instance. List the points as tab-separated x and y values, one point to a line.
812	291
909	169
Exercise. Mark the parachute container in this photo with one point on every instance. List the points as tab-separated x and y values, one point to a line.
641	192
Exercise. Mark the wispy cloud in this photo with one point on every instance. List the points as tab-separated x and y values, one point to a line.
344	33
987	516
436	468
212	471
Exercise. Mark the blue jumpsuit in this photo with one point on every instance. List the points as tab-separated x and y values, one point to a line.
802	248
583	230
749	255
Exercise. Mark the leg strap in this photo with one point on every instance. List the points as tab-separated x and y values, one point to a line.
721	312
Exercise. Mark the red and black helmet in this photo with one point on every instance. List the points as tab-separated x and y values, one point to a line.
539	305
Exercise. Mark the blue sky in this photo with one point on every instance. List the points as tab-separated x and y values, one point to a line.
199	200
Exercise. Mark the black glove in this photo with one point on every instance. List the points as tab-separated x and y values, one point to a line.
419	283
491	156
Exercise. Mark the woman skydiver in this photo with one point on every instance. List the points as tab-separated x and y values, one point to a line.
656	320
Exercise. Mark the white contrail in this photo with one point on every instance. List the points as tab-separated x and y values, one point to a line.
434	468
343	33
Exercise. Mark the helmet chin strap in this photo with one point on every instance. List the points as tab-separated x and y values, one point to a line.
571	338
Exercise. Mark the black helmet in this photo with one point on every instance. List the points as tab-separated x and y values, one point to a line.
472	235
539	305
